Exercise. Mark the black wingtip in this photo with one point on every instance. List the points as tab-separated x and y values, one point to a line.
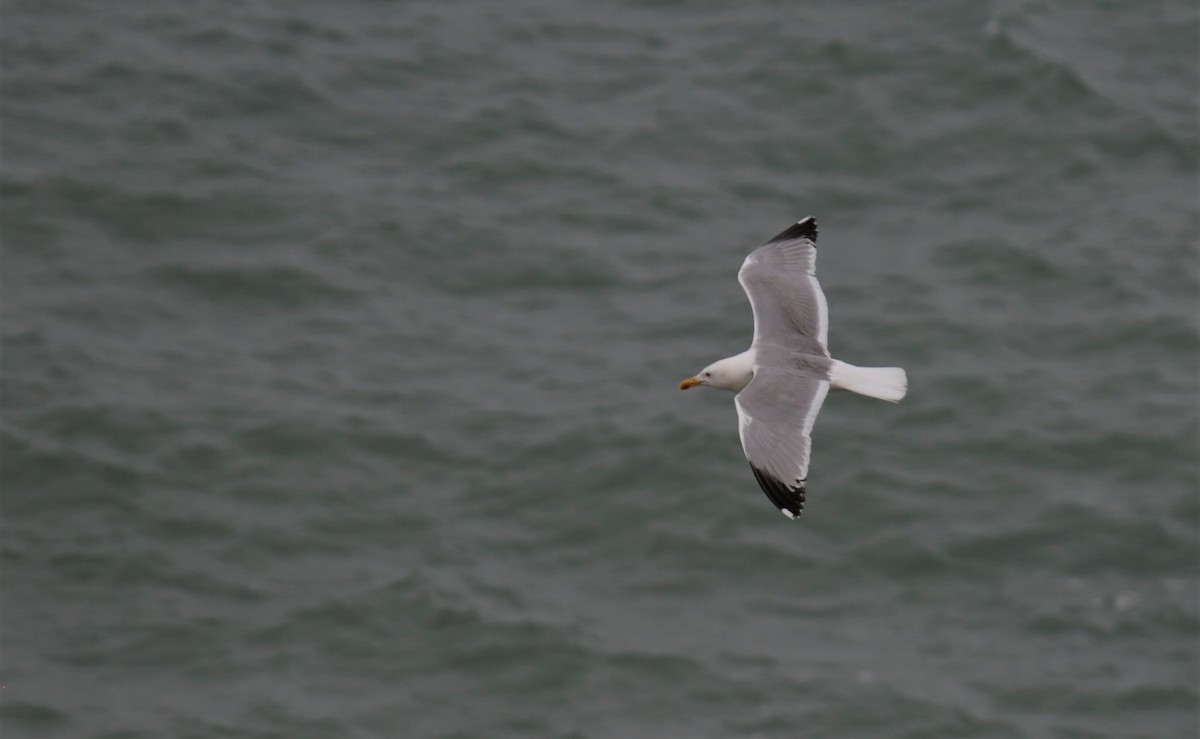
789	500
805	228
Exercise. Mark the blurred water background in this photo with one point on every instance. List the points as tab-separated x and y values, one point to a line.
341	344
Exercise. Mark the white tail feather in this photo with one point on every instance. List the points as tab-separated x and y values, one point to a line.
885	383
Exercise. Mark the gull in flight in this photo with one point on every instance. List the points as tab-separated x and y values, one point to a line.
782	379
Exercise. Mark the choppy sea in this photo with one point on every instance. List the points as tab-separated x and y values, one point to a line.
341	345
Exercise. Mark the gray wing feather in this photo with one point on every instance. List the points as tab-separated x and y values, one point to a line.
776	413
789	306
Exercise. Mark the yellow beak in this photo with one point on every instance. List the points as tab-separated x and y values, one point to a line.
690	382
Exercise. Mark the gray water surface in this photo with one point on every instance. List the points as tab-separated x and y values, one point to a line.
341	346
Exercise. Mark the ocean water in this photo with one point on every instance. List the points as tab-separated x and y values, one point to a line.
342	342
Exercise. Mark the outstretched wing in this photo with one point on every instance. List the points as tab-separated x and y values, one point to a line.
776	413
780	280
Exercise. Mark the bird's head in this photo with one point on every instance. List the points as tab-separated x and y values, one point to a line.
731	374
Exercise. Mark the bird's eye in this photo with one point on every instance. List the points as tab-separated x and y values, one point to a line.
708	374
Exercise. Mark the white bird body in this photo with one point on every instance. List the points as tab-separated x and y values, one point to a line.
782	379
885	383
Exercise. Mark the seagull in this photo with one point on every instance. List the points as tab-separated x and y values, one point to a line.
782	379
